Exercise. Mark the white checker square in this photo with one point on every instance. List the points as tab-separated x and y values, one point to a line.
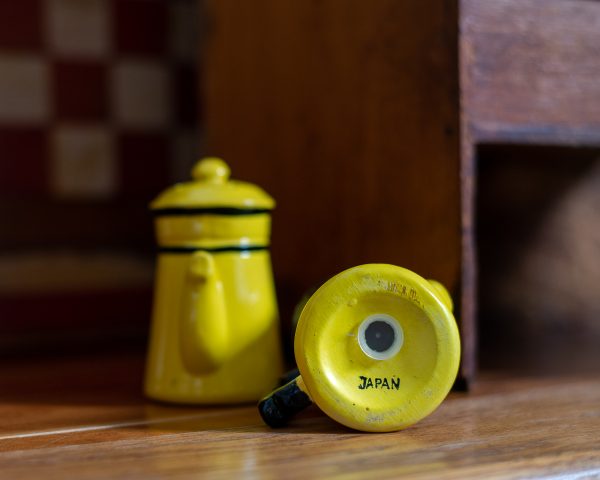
83	162
141	96
183	30
78	28
24	89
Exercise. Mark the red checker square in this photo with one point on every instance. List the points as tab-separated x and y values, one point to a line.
186	95
21	24
140	26
24	160
80	90
143	163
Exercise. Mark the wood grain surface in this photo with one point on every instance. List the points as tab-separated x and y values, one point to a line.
86	418
530	70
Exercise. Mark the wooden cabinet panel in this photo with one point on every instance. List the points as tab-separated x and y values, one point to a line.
531	70
347	112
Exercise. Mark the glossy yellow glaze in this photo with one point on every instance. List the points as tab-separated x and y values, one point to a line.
367	393
211	187
213	231
215	330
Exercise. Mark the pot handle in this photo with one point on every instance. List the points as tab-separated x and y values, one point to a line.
204	329
278	408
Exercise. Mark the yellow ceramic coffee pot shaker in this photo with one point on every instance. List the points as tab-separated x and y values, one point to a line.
214	336
377	348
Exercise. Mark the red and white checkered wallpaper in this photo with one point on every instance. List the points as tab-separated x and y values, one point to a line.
97	97
97	115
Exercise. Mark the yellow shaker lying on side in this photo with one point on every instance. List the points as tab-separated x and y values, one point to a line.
215	327
377	348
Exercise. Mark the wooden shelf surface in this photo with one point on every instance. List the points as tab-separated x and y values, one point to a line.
86	418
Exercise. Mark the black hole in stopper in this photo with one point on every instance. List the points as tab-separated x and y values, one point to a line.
379	336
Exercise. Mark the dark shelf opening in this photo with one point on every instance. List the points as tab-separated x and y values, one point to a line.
538	234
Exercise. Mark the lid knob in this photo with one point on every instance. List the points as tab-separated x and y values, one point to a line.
211	169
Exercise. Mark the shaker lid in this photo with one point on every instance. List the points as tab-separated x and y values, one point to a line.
212	188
